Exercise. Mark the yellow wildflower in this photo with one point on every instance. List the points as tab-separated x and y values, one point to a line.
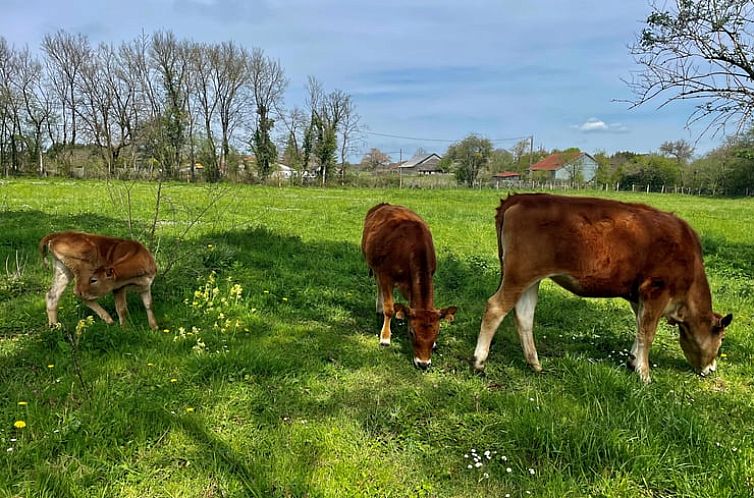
19	424
189	409
173	380
51	365
23	403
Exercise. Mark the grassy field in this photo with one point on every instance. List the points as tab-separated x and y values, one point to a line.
266	378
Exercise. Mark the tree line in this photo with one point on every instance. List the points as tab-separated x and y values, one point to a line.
163	106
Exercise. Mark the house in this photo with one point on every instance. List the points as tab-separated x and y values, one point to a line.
505	178
282	172
573	166
424	164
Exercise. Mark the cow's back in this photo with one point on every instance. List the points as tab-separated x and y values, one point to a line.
395	239
603	247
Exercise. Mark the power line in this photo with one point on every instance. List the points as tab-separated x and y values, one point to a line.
509	139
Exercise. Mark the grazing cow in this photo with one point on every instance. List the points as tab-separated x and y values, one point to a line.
397	246
100	265
603	248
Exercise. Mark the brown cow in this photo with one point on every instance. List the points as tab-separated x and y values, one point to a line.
603	248
100	265
397	246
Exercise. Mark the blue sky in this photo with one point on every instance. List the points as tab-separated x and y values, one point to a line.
429	69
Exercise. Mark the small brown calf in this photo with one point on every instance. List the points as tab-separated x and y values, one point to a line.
99	265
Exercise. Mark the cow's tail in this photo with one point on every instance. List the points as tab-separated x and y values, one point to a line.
44	247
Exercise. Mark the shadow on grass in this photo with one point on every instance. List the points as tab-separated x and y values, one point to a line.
315	325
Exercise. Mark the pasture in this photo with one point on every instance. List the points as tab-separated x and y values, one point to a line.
266	378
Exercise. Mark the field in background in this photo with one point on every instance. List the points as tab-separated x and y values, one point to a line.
274	384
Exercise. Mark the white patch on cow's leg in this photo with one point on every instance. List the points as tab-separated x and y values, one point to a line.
146	298
101	312
121	305
60	278
494	314
525	323
385	292
634	354
648	318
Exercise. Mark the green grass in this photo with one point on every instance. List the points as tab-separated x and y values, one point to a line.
290	394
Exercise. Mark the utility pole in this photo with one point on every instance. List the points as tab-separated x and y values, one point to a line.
531	156
400	170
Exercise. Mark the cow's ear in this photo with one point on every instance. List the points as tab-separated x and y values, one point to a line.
721	323
449	314
110	273
402	312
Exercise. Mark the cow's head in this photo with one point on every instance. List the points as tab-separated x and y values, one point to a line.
700	340
93	283
424	327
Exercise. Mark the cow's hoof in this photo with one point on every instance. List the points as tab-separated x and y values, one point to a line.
536	367
631	362
384	343
477	365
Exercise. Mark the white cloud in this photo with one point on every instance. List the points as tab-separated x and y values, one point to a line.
595	125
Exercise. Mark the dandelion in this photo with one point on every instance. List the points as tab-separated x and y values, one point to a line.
174	380
723	355
166	331
285	299
150	364
189	409
23	403
51	365
210	246
19	424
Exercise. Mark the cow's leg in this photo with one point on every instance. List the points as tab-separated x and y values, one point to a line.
525	323
498	306
631	361
121	305
650	313
101	312
60	278
386	297
146	298
378	302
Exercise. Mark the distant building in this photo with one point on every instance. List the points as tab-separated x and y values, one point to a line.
426	164
505	178
561	166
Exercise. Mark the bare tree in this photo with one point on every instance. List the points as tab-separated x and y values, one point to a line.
107	108
680	150
350	131
698	51
30	89
266	84
206	96
66	54
374	159
229	73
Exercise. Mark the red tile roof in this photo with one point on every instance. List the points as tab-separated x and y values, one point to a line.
506	174
555	161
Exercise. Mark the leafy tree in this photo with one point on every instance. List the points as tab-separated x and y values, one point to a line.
680	150
652	170
501	160
471	156
699	51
